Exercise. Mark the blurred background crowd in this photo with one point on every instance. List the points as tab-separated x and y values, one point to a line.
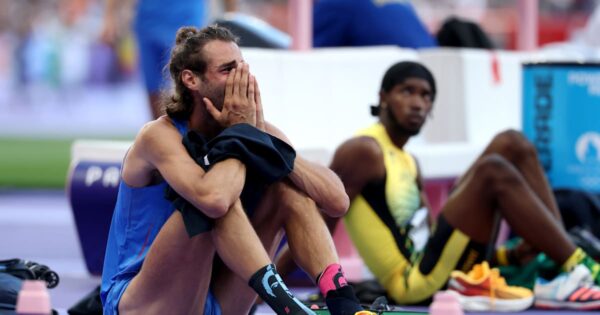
51	48
60	81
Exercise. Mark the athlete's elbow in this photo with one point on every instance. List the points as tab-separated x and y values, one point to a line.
214	205
338	206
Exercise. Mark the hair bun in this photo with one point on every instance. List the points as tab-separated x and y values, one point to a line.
184	33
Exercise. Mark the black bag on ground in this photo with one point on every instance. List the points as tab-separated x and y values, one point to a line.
9	290
29	270
580	211
579	208
89	305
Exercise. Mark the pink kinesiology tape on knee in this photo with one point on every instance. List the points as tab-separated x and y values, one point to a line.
332	278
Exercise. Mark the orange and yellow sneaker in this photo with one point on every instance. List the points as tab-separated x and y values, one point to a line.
483	289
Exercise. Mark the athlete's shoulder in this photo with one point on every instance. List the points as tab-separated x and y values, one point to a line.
162	127
157	134
362	146
358	161
361	151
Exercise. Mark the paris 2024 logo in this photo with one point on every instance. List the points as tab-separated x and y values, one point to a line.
587	149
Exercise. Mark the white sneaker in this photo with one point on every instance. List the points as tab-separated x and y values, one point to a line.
573	290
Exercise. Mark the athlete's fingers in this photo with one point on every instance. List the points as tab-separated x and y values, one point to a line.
257	97
260	118
210	107
236	80
229	83
251	86
244	81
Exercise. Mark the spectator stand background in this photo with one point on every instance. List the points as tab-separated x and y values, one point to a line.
58	82
59	69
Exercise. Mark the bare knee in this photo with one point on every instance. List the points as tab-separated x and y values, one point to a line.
289	200
236	210
292	199
513	145
497	173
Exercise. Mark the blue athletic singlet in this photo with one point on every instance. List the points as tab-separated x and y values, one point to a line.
139	215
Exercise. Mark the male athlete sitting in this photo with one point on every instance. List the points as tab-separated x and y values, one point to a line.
385	188
235	184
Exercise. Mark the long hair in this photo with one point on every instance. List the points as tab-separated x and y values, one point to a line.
188	54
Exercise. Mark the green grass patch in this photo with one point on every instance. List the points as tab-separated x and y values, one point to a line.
34	163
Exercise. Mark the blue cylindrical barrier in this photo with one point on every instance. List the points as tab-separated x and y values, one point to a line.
92	188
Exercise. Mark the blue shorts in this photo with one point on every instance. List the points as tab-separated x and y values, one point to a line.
154	56
111	307
156	24
212	306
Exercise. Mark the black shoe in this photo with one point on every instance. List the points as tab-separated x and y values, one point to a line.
342	301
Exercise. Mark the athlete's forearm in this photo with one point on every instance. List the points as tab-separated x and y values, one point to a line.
322	185
318	182
220	187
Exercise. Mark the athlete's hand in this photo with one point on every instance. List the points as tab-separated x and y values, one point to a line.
239	104
260	119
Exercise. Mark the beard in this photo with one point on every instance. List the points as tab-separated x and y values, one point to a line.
399	127
215	93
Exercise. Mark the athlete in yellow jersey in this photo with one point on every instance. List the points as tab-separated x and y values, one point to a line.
386	206
385	189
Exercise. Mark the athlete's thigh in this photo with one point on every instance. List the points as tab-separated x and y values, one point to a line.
269	216
471	206
175	275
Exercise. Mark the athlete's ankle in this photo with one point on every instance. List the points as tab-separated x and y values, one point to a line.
269	286
331	278
339	296
580	257
593	266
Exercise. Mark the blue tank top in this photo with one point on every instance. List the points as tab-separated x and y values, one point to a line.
140	213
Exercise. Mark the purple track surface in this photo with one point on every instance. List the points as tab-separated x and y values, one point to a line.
38	225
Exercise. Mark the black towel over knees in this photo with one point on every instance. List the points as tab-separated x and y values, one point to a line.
267	159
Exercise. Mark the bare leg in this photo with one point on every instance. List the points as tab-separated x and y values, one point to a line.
309	239
494	184
283	206
514	147
238	245
177	268
233	292
285	261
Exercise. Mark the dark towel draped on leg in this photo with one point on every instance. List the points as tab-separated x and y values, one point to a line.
267	159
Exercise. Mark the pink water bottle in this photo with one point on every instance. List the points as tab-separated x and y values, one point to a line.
33	299
445	303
